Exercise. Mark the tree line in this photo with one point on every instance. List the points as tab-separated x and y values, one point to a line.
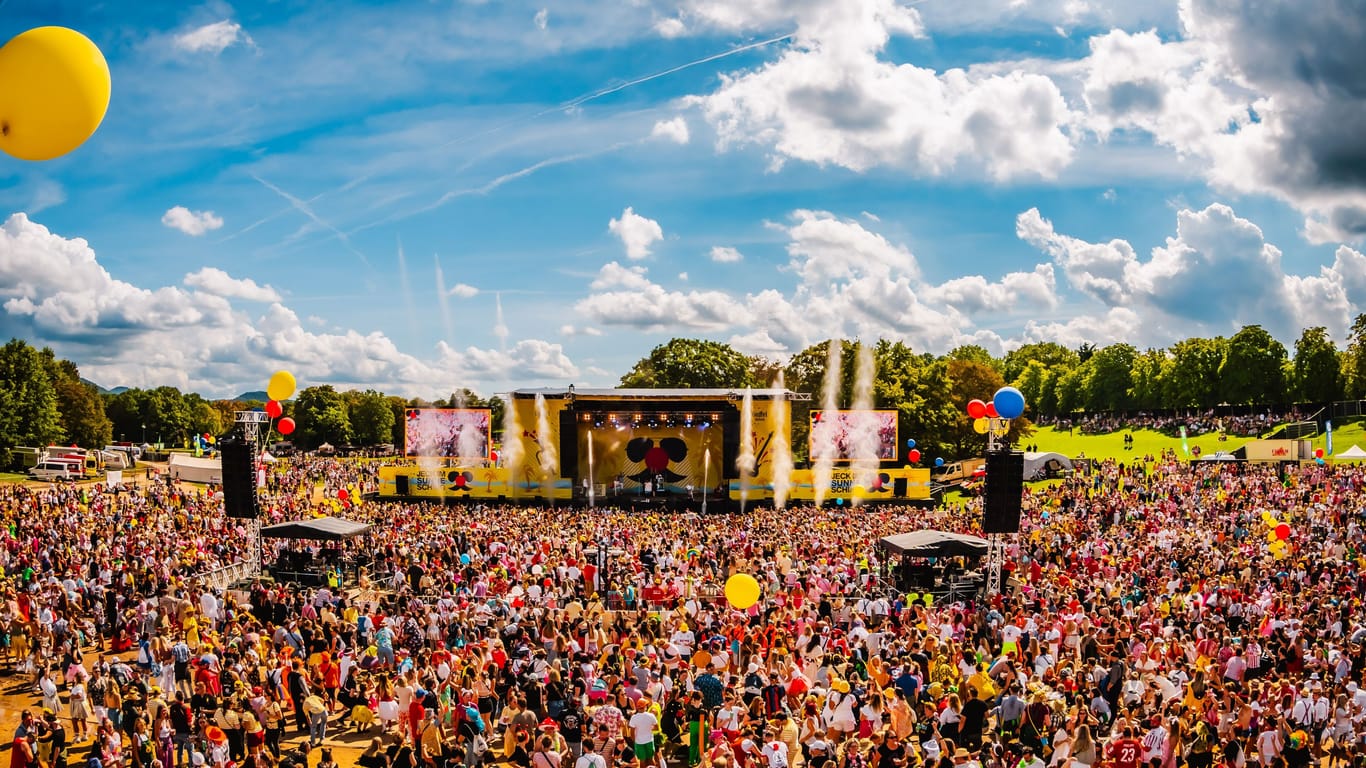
44	401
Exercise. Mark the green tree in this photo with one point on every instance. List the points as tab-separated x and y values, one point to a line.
1047	353
398	407
125	410
320	417
82	409
28	400
1192	380
1354	362
167	414
977	354
1316	375
204	417
1252	371
1069	389
1148	379
372	420
1109	379
1031	383
690	363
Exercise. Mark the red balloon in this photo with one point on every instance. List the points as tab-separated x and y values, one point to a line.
493	456
286	426
273	409
991	411
1283	531
207	436
343	494
1318	454
914	455
976	409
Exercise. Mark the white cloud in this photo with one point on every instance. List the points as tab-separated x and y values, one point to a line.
833	98
1215	274
850	281
192	223
542	18
675	130
212	38
637	233
724	254
463	291
683	277
219	283
54	291
670	28
571	330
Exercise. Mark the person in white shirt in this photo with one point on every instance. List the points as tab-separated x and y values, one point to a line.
775	753
590	758
642	725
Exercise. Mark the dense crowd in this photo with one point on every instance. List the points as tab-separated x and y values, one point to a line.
1196	423
1148	622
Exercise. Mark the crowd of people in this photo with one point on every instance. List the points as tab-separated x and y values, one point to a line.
1195	423
1148	622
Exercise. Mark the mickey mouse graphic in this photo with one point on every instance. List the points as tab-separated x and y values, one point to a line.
460	480
879	484
657	458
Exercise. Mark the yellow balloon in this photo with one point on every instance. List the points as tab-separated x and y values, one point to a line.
281	386
54	91
980	426
742	591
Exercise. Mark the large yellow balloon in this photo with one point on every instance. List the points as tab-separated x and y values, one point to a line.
981	425
281	386
742	591
54	91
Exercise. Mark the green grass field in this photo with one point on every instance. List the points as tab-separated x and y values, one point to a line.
1147	441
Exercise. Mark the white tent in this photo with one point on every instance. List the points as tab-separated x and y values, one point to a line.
190	469
1354	452
1044	460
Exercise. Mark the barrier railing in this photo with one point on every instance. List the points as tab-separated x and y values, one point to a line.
222	578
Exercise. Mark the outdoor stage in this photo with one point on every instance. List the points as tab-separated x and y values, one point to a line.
694	449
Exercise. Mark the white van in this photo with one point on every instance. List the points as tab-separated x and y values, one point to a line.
54	470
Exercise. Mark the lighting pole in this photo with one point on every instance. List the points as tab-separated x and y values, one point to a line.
144	433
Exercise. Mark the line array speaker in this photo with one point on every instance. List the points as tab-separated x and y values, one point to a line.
1005	484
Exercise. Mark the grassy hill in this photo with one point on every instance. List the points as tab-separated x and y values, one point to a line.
1147	441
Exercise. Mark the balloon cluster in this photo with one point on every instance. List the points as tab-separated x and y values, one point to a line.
280	387
1278	532
1318	457
1008	403
54	92
914	455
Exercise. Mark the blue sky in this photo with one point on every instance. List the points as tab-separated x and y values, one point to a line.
425	195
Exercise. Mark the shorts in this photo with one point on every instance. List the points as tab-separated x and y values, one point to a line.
486	705
645	753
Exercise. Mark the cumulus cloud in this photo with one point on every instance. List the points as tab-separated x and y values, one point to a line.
542	19
835	98
54	291
463	291
1214	275
219	283
724	254
192	223
670	28
851	281
212	38
637	233
675	130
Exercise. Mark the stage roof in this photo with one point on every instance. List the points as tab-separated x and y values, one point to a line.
931	543
316	529
590	393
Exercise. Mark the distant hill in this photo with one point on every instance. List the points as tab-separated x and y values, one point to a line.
259	396
102	390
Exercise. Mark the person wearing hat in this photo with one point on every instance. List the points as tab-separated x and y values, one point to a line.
643	725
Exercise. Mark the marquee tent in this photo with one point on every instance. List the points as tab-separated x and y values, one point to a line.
931	543
316	529
1353	453
195	470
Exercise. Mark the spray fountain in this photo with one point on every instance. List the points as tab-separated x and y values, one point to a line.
782	450
824	451
745	462
512	454
549	461
863	437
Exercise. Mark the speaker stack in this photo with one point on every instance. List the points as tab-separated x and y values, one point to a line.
1005	486
239	479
